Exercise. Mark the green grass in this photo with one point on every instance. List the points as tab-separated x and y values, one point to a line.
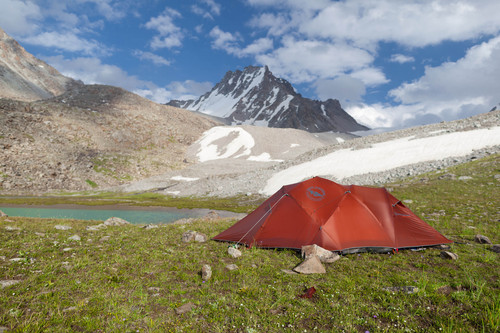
91	183
136	279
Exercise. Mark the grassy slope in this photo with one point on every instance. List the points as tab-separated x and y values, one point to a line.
135	280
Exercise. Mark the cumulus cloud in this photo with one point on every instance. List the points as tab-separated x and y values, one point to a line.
344	88
213	9
19	17
67	41
154	58
226	41
169	34
401	58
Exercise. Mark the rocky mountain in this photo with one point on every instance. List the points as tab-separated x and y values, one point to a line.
24	77
256	97
59	134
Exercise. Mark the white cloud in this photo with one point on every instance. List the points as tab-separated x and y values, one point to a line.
175	90
108	9
170	35
344	88
18	17
66	41
413	23
401	58
154	58
213	9
370	76
308	60
224	40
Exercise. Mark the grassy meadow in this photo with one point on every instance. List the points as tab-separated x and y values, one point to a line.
133	279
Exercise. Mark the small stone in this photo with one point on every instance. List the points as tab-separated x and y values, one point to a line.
105	238
9	228
184	308
206	272
464	178
67	249
2	214
289	271
311	265
200	238
62	227
75	238
448	255
154	289
17	259
233	252
188	236
408	201
115	221
71	308
3	329
8	283
150	226
231	267
40	234
496	248
324	256
481	239
403	289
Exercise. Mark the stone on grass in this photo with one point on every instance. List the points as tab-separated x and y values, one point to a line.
71	308
200	238
75	238
191	235
3	329
496	248
481	239
206	272
114	221
212	215
233	252
104	238
67	249
184	308
289	271
403	289
311	265
150	226
323	255
231	267
9	228
464	178
8	283
2	214
448	255
62	227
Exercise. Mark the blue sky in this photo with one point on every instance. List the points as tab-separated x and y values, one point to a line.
391	63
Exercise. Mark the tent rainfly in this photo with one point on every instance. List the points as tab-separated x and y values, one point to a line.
335	217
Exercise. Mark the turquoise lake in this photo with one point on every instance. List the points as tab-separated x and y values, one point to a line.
139	215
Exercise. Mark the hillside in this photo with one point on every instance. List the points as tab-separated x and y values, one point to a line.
91	136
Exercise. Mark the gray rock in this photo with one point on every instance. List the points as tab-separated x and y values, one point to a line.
70	309
464	178
289	271
200	238
63	227
150	226
481	239
9	228
231	267
448	255
311	265
115	221
191	235
67	249
184	308
8	283
104	238
496	248
2	214
324	256
233	252
206	272
75	238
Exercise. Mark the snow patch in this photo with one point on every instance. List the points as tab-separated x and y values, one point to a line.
339	139
264	157
184	179
241	145
293	145
384	156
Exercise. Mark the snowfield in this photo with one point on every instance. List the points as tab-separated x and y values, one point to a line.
383	156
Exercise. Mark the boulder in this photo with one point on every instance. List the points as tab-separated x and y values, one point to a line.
200	238
448	255
311	265
115	221
190	236
496	248
233	252
231	267
206	272
481	239
324	256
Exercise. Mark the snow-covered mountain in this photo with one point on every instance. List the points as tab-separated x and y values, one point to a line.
255	96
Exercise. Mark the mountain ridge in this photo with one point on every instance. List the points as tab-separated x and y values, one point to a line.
255	96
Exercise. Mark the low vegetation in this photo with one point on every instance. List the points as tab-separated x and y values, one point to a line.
129	279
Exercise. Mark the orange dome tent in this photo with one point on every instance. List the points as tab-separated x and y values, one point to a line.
333	216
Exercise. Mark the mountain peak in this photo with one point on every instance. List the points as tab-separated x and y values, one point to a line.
255	96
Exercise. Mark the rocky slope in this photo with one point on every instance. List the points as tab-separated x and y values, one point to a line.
256	97
92	136
24	77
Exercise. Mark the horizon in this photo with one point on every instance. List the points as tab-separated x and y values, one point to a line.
390	64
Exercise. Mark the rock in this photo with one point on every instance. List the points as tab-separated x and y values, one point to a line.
289	271
408	201
464	178
104	238
62	227
442	247
496	248
115	221
2	214
191	235
8	283
211	215
9	228
234	252
448	255
481	239
231	267
17	259
311	265
3	329
150	226
184	221
184	308
67	249
75	238
206	272
71	308
324	256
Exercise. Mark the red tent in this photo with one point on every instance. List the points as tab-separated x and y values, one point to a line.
333	216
